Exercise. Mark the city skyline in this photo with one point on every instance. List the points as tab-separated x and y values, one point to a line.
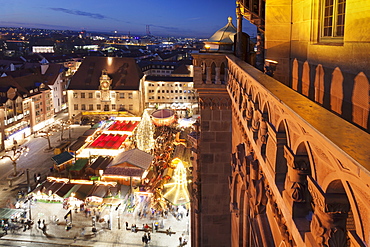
195	18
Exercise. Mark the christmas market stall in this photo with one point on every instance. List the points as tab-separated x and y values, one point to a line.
61	161
77	146
128	167
163	117
98	166
78	168
96	195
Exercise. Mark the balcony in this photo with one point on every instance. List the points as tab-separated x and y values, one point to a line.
292	139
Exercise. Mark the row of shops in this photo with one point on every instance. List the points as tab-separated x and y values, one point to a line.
76	192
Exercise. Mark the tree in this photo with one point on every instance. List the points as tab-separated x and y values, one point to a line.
145	132
46	133
65	125
14	154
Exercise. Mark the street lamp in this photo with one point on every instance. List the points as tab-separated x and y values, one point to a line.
14	153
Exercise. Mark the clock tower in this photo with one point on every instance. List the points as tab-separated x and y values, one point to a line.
105	82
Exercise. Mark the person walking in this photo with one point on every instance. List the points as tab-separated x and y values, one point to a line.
143	239
180	239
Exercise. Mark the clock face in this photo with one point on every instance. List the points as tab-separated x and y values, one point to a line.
105	84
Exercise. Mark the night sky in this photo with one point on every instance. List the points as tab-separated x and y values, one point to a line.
191	18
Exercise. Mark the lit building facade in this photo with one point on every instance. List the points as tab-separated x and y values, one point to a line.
275	166
175	93
105	86
26	107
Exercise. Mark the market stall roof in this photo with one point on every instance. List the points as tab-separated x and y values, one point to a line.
123	171
73	189
99	191
78	143
62	158
54	187
134	157
63	191
7	213
89	132
101	163
79	165
179	152
82	192
42	187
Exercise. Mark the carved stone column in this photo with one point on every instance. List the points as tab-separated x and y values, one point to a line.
209	75
328	225
296	193
256	121
257	189
217	77
249	114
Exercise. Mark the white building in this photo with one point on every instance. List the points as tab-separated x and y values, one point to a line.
105	86
171	92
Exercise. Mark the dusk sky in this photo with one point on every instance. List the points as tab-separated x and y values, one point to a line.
191	18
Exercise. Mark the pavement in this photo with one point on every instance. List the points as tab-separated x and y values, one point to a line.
38	160
81	233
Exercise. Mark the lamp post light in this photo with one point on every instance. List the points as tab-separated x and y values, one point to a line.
270	67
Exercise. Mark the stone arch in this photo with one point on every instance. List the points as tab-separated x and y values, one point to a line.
295	75
264	127
337	217
281	166
213	72
360	100
306	79
204	71
336	91
296	183
319	84
237	207
223	73
256	120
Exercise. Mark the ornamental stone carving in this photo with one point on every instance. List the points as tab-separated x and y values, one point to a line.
328	225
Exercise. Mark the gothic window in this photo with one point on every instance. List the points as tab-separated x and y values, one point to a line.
82	95
90	95
333	17
75	107
91	107
83	107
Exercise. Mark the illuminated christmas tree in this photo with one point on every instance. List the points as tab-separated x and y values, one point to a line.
144	134
176	191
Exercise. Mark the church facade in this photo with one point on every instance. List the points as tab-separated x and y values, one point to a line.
275	167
